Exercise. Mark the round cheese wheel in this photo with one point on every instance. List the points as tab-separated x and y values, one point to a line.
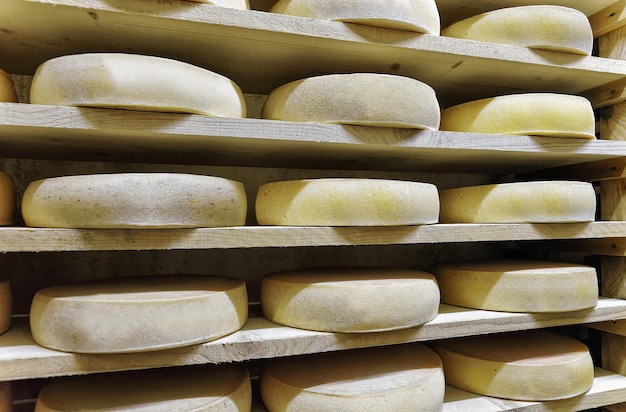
231	4
545	27
520	202
367	99
350	299
347	202
224	388
7	88
134	200
6	397
527	366
518	286
138	314
136	82
6	306
403	378
536	114
419	16
7	199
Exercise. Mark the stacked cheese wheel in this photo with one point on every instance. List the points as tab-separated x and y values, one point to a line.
138	314
7	88
350	299
6	397
6	305
7	199
224	388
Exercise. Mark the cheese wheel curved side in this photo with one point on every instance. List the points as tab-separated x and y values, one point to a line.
6	305
7	199
6	397
7	88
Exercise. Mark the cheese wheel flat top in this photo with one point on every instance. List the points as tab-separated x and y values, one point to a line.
529	365
7	199
367	99
519	202
136	82
364	299
134	200
375	379
544	27
7	88
138	314
518	285
535	114
419	16
224	388
231	4
6	305
347	202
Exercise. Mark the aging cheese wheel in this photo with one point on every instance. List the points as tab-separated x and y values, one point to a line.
527	366
537	114
520	202
540	27
7	88
6	305
6	398
224	388
136	82
364	299
138	314
518	285
134	200
347	202
7	199
403	378
412	15
367	99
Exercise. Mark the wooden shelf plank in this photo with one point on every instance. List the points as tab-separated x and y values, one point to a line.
70	133
261	51
21	358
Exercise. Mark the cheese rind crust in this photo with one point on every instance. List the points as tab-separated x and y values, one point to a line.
6	306
7	199
7	88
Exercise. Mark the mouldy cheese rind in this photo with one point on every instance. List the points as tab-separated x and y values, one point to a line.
375	379
545	27
6	305
347	202
224	388
7	199
519	202
134	200
538	114
349	300
138	314
7	88
419	16
526	366
518	285
367	99
136	82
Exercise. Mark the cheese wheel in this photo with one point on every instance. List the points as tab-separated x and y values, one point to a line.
527	366
7	88
134	200
367	99
224	388
138	314
6	397
538	114
350	299
231	4
518	286
544	27
135	82
520	202
346	202
7	199
419	16
403	378
6	305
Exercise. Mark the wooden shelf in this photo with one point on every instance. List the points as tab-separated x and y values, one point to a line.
21	358
261	51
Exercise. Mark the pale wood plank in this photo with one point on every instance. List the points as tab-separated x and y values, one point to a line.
21	358
610	18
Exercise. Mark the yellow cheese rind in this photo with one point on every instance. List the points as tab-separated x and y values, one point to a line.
7	88
346	202
378	379
518	286
7	199
526	366
519	202
538	114
419	16
231	4
6	305
367	99
544	27
135	82
138	314
134	200
6	397
224	388
350	299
